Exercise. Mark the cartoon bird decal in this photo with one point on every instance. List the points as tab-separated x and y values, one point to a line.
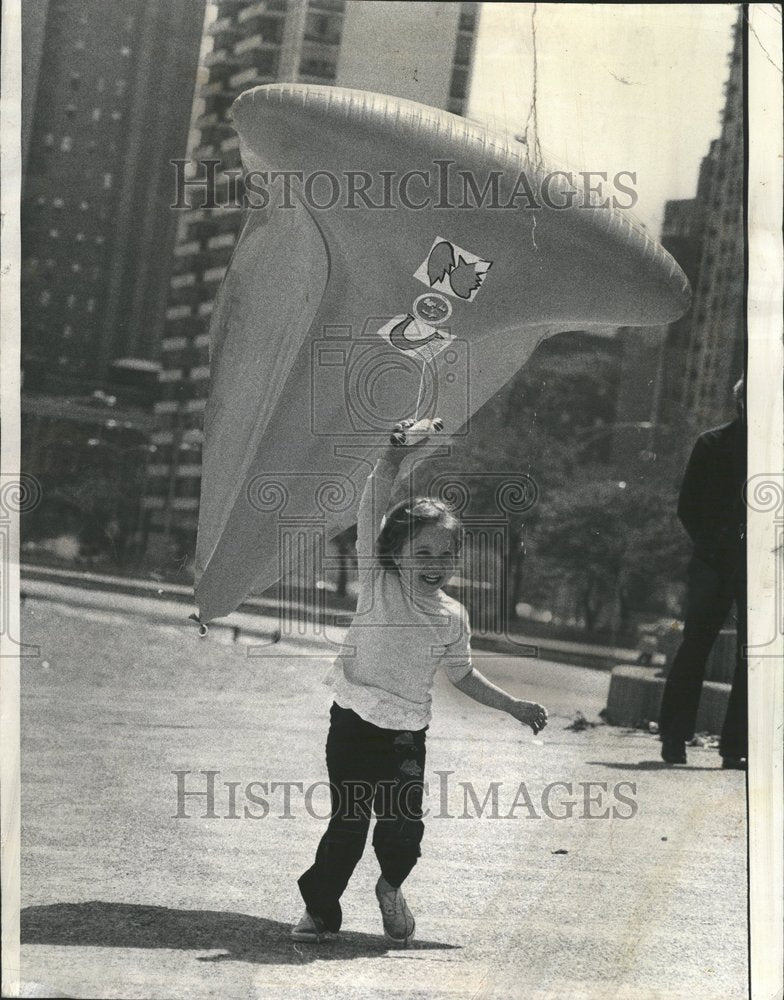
440	262
463	276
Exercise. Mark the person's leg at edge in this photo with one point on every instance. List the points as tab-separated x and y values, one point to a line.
709	597
734	743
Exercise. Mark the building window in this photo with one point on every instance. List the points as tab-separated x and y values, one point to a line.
54	234
48	139
45	297
67	332
107	181
79	237
459	83
75	81
67	144
71	302
96	114
83	205
58	202
463	50
125	51
318	67
116	116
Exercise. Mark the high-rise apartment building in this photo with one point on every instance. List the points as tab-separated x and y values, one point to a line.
108	93
716	344
421	51
677	379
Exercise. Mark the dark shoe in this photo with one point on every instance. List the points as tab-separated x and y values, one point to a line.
734	763
673	751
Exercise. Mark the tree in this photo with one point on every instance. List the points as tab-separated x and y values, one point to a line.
619	547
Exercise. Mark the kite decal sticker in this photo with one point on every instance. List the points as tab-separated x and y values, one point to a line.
410	335
453	270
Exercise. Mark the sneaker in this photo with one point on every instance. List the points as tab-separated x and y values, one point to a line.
734	763
312	929
673	751
399	924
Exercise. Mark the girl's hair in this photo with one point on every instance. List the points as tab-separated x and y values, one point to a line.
405	520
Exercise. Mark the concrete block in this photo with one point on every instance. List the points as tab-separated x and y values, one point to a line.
635	696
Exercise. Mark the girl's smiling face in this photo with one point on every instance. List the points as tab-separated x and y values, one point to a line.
427	561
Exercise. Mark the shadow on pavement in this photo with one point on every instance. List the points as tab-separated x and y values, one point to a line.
650	765
239	936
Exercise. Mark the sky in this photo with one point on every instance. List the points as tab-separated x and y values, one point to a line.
619	87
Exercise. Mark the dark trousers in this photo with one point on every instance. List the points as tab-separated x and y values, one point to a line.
710	595
370	770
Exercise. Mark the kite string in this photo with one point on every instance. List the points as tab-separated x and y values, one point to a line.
421	387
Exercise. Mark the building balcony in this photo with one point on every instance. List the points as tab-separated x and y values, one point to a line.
224	27
190	471
185	503
264	9
219	58
253	76
221	240
186	280
212	122
256	43
187	249
214	88
205	151
174	313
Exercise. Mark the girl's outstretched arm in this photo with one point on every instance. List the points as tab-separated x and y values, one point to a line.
482	690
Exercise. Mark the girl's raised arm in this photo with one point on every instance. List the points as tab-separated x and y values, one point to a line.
374	503
378	489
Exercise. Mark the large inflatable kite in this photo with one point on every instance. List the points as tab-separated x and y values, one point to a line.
400	261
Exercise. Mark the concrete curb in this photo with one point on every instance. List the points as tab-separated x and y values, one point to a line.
635	696
173	603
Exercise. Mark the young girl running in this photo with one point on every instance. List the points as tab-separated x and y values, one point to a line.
404	628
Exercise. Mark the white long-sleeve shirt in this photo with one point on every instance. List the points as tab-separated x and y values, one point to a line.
398	639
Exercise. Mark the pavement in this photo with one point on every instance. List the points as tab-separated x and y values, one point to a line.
627	880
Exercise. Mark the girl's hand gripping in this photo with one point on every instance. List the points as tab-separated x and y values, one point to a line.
530	714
